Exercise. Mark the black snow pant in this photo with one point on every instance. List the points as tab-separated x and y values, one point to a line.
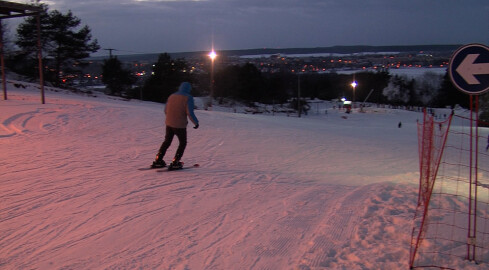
182	139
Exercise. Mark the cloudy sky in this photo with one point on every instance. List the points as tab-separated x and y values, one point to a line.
155	26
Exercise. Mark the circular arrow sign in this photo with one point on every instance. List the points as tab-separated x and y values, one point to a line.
469	69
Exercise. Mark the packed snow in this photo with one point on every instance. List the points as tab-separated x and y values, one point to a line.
328	190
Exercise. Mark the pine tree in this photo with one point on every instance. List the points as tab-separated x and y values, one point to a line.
399	90
166	77
117	79
449	95
64	43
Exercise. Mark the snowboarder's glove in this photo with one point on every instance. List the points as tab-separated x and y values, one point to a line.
196	126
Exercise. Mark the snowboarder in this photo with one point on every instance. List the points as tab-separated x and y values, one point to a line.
179	106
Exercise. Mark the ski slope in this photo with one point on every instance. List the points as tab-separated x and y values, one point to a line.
271	192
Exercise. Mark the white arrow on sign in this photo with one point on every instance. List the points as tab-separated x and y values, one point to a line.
467	69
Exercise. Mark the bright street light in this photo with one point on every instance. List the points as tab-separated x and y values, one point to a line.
354	85
212	56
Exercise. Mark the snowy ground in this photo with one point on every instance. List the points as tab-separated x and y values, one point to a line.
272	192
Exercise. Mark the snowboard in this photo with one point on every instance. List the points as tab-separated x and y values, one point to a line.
150	168
169	168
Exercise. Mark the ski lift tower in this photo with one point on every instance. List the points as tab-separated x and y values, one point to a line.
14	10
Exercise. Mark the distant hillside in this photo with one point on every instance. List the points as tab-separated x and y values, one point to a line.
346	49
317	50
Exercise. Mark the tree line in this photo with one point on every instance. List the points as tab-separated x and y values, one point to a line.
65	45
247	84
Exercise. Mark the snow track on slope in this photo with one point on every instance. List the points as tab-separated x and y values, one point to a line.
271	193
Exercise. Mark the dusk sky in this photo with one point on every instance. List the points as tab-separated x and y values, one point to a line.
156	26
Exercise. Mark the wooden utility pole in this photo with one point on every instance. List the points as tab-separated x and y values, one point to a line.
16	10
39	55
2	62
110	51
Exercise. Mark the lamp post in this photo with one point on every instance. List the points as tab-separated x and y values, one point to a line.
353	85
212	56
299	107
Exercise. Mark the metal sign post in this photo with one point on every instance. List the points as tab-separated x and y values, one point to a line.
469	72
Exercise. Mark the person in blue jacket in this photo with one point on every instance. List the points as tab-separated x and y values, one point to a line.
179	107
